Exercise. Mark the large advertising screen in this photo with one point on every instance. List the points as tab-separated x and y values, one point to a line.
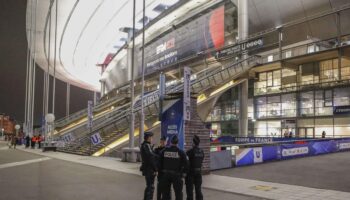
204	32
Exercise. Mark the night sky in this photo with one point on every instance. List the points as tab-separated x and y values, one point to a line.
13	55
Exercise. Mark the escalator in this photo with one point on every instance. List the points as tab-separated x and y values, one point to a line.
78	117
114	126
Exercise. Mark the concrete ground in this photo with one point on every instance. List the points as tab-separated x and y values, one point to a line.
58	179
329	171
33	174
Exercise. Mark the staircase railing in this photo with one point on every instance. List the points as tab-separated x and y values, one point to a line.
120	118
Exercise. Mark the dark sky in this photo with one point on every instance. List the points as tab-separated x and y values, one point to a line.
13	54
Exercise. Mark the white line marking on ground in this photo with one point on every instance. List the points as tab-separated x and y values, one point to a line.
14	164
4	148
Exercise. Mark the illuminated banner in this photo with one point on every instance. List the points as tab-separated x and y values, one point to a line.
172	123
202	33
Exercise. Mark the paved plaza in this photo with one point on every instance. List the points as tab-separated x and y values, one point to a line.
32	174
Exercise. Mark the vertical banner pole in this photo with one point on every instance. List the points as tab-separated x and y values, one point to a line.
186	99
142	123
161	94
161	99
90	118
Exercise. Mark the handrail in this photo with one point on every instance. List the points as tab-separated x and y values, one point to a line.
83	112
124	111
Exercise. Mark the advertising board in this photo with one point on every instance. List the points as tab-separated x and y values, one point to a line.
202	33
172	123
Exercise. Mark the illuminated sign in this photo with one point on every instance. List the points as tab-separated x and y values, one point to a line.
239	48
202	33
341	110
165	46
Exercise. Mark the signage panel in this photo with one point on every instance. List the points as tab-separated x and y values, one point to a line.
341	110
240	48
172	123
96	138
187	94
202	33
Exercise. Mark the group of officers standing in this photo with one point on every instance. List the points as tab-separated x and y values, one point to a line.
171	164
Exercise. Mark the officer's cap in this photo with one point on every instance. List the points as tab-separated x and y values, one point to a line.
174	139
163	138
196	140
147	135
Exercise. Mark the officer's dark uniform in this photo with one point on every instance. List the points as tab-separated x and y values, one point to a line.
194	176
158	151
148	166
173	163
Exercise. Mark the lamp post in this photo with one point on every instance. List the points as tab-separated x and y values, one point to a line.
17	127
50	118
2	132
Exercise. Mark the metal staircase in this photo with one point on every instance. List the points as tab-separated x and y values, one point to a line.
116	123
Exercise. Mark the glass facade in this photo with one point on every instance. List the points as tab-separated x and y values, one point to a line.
290	100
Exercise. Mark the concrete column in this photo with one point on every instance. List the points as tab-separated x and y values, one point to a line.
68	99
95	98
243	28
243	22
280	38
339	44
243	110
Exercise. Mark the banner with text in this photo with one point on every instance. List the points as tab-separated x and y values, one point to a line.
172	123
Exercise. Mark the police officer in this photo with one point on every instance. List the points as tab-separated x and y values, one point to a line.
148	167
194	176
158	151
173	163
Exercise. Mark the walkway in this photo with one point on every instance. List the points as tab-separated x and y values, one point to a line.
243	183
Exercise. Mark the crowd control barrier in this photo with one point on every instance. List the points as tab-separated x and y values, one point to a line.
220	160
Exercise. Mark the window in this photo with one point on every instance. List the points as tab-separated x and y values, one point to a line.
307	104
321	107
329	70
313	48
342	97
269	82
277	78
274	106
289	105
270	58
269	79
328	98
261	107
288	54
345	69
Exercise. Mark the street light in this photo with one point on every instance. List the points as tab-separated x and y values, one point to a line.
50	118
17	127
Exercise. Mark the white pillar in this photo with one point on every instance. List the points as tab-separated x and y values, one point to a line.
243	19
243	27
243	112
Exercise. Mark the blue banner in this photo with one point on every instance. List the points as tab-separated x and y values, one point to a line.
243	140
343	145
249	156
172	123
341	110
